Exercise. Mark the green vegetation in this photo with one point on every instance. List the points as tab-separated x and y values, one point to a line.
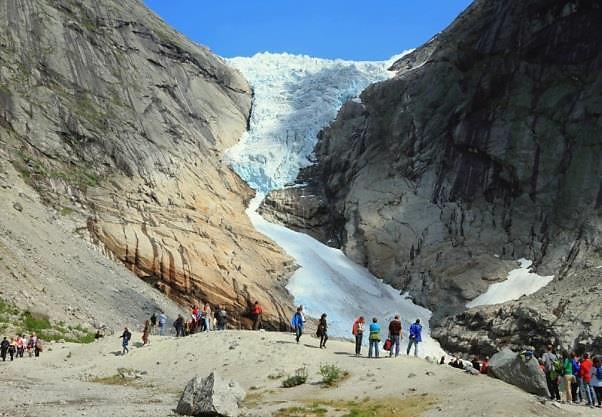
29	322
299	378
66	211
332	374
411	406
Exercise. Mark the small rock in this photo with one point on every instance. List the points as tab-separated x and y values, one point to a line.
411	375
17	206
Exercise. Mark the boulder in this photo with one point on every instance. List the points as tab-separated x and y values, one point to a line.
212	395
512	368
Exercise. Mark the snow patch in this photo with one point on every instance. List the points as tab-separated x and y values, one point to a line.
329	282
520	282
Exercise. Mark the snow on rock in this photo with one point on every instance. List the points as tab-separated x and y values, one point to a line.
295	96
329	282
520	282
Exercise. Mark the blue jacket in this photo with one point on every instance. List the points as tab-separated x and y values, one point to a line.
374	331
297	321
576	367
415	332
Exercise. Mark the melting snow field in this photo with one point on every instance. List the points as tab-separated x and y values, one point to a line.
294	98
329	282
520	282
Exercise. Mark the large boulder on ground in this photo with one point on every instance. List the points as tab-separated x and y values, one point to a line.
514	369
212	396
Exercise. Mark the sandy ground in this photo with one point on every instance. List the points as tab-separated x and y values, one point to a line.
61	381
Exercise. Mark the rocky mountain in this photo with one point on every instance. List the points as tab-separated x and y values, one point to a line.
119	124
484	148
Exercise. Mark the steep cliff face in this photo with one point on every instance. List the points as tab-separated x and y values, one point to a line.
120	122
485	147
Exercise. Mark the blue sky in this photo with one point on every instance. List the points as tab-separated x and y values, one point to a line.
350	29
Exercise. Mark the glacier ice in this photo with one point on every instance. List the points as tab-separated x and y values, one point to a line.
294	98
520	281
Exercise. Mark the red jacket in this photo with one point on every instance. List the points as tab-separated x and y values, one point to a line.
586	370
257	310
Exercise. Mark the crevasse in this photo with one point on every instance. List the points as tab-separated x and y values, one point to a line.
294	98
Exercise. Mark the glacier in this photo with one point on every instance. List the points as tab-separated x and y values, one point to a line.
294	98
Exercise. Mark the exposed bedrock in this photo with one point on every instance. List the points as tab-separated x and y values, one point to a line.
484	148
120	122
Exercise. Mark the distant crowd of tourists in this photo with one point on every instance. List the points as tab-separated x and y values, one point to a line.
18	345
573	378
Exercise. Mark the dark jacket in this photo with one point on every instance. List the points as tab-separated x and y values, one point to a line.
4	345
322	327
126	336
395	328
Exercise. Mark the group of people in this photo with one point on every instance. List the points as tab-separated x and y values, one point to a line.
16	346
577	377
392	343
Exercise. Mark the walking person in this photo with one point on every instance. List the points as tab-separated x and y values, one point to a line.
374	338
549	359
297	323
161	322
358	331
415	337
4	345
256	314
208	316
586	379
126	336
221	317
31	344
322	331
146	333
20	346
37	347
12	348
153	322
395	335
179	326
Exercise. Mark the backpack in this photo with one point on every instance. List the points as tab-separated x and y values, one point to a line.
558	367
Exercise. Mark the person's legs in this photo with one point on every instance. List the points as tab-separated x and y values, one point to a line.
410	343
11	353
358	344
574	386
416	348
376	348
37	351
3	355
297	334
370	348
568	379
598	391
161	330
589	393
552	387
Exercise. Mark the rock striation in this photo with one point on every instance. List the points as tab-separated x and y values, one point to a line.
485	147
120	122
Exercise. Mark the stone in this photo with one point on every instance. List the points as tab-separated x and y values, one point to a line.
512	368
17	206
211	396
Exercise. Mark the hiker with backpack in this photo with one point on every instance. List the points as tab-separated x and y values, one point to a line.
395	335
358	331
126	336
322	331
415	337
551	369
297	323
374	338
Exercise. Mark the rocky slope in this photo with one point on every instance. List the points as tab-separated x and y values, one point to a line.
119	123
484	148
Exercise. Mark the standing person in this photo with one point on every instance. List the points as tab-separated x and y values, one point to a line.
567	374
586	379
4	345
297	324
374	337
161	322
395	335
221	317
596	381
126	336
576	367
146	332
37	348
153	322
256	313
358	332
549	359
415	337
208	317
322	331
20	346
12	348
179	326
31	344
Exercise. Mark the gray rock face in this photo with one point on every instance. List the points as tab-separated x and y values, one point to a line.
525	374
211	396
120	122
485	147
